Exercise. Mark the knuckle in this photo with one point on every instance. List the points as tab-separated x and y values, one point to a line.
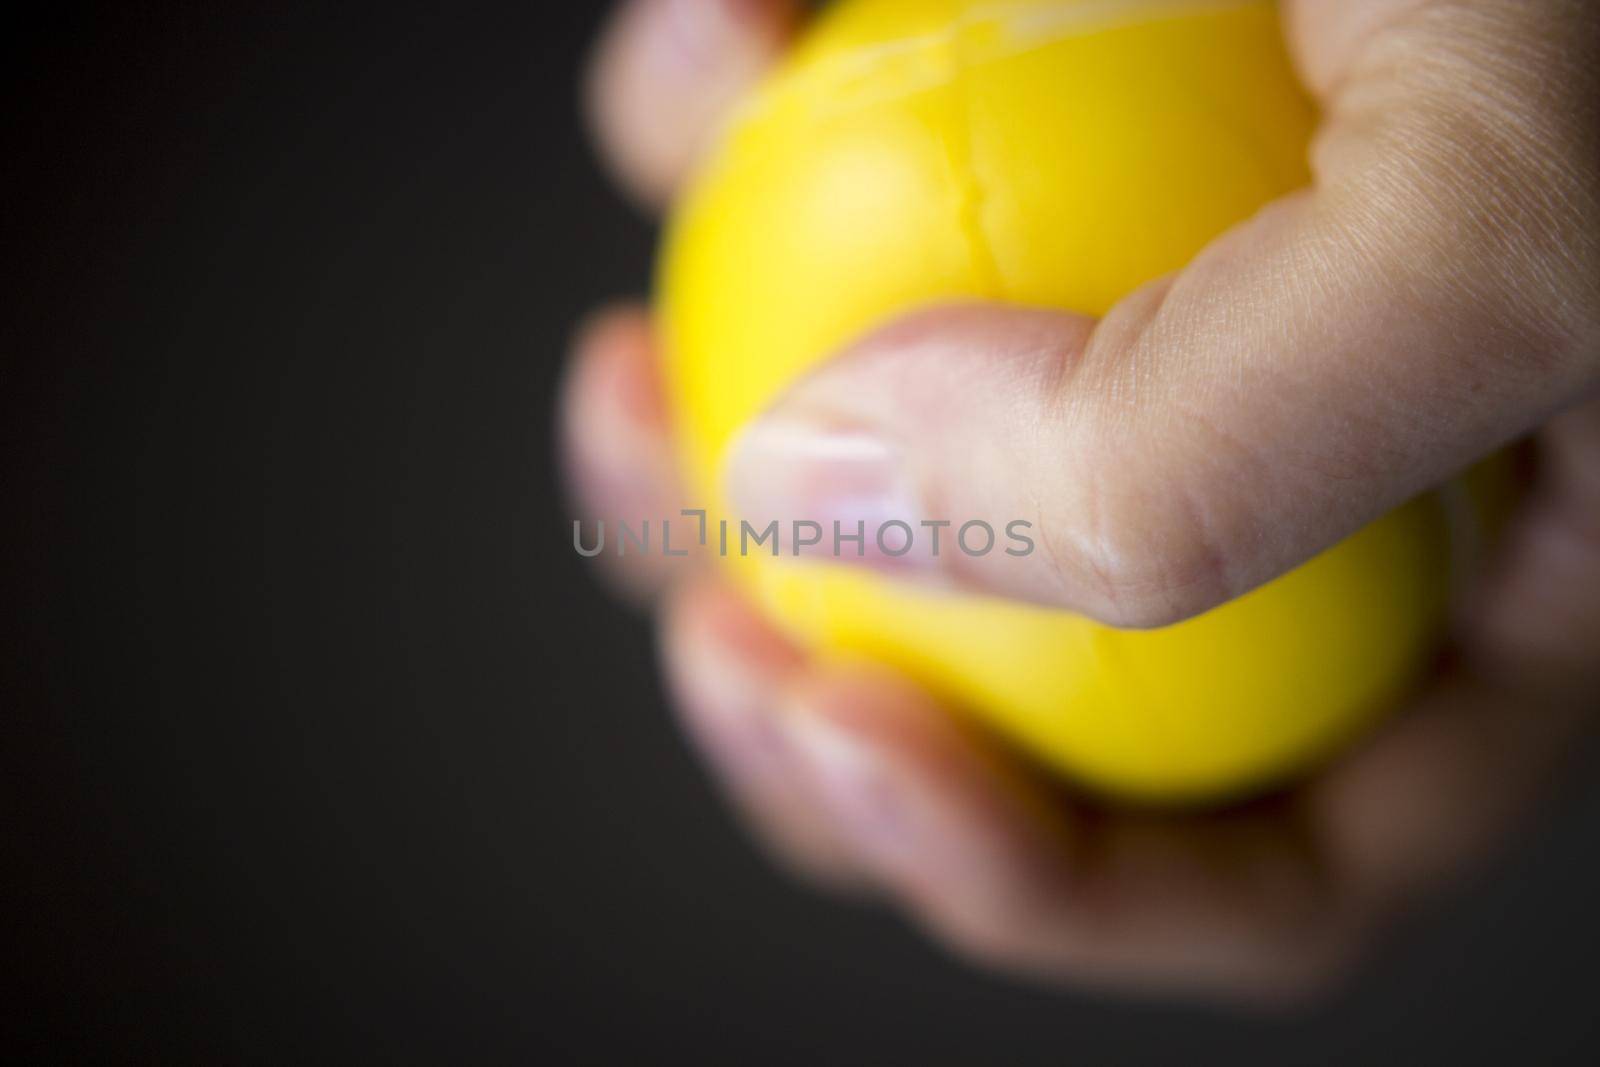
1146	555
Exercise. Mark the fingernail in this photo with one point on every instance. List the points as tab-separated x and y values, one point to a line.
867	804
744	743
704	31
835	492
724	703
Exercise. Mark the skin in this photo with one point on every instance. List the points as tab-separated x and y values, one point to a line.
1433	297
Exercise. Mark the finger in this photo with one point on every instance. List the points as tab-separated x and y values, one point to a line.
1536	615
1436	793
667	71
1010	875
926	807
616	452
853	777
728	669
1428	301
1433	794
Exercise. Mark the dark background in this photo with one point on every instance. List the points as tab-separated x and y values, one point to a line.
324	745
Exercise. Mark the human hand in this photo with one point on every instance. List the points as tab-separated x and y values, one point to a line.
1432	298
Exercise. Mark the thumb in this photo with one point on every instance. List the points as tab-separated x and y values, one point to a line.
1432	298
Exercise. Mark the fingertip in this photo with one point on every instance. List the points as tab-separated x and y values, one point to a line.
615	451
618	316
727	668
873	708
709	628
950	441
928	805
614	377
664	74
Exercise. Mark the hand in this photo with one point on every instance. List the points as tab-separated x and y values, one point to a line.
1435	296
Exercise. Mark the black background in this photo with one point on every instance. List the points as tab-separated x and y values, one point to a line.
324	745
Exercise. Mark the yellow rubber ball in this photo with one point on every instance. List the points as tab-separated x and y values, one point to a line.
1050	153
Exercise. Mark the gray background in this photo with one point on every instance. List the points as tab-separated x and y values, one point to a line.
325	746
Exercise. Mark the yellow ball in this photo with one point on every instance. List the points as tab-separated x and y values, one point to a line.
1048	153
